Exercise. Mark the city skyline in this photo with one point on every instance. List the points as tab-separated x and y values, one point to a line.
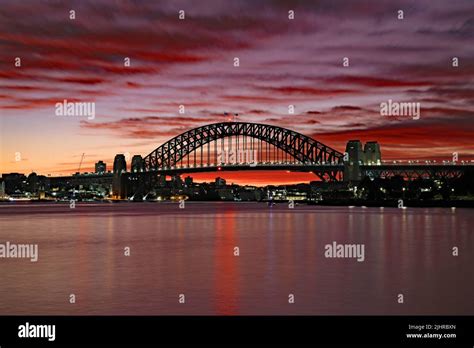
190	62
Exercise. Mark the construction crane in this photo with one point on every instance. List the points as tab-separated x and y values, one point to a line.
78	172
80	163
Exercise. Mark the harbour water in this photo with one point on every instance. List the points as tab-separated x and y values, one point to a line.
235	259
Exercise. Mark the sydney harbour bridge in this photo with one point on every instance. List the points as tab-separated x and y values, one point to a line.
244	146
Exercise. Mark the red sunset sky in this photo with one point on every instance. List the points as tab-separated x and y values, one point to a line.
190	62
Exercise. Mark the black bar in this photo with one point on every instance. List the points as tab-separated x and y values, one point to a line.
289	330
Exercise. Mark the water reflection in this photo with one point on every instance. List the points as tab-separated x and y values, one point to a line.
226	265
191	251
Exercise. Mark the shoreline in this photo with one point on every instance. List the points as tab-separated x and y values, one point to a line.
330	203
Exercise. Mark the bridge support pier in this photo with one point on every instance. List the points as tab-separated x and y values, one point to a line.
355	156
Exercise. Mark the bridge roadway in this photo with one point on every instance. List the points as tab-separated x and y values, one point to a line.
376	170
296	167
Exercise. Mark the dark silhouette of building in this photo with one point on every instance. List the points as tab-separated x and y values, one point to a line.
176	181
37	183
14	182
188	181
2	188
220	182
100	167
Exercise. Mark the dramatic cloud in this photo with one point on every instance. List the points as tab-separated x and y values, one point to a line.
190	62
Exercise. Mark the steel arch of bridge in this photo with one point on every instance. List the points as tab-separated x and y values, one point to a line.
300	147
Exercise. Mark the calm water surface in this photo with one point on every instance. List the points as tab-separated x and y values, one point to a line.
191	251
